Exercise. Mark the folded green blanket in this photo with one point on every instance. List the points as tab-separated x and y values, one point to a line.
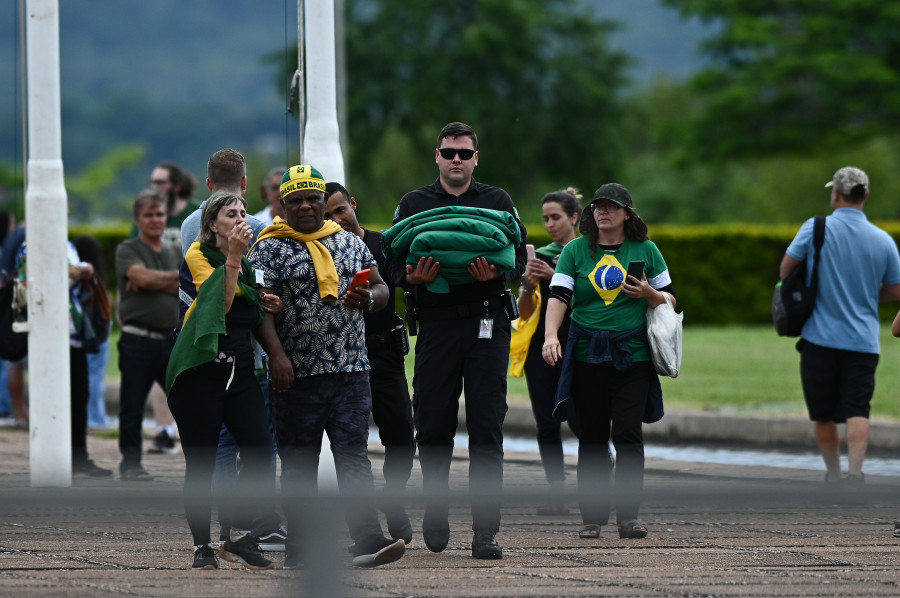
455	236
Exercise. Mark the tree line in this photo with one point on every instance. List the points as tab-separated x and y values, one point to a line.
792	91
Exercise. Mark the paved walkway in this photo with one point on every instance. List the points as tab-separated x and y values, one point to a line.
714	531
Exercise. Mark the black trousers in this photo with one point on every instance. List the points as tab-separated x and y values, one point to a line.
80	388
542	380
142	362
392	412
610	404
201	403
451	358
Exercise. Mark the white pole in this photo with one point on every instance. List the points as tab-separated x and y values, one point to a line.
47	272
322	143
301	76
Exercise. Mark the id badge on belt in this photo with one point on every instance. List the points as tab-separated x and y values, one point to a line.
486	328
486	324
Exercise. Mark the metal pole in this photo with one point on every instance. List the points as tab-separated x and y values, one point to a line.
322	144
47	272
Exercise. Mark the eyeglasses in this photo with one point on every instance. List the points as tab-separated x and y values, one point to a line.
448	153
609	206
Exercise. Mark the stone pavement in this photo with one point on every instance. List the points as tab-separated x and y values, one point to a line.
714	531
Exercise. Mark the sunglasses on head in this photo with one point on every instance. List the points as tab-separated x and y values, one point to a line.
448	153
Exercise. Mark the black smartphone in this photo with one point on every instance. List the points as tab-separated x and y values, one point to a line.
635	269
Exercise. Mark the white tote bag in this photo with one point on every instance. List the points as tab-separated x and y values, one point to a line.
664	334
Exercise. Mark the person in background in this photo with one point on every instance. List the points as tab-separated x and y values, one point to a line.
607	369
211	381
391	405
90	250
15	370
178	185
269	189
78	365
560	212
147	272
7	225
859	267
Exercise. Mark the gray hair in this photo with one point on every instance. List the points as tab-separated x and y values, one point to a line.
147	196
211	209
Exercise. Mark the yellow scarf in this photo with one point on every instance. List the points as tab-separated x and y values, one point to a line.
522	331
323	263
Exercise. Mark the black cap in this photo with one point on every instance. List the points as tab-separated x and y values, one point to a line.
615	193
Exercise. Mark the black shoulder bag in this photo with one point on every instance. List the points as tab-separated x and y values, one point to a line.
793	301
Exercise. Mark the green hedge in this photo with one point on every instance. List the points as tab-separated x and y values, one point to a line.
723	274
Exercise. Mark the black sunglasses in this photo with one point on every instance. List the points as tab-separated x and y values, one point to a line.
448	153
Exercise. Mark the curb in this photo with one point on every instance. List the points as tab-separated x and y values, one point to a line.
678	426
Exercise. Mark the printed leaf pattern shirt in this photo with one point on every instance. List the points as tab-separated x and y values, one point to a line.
319	337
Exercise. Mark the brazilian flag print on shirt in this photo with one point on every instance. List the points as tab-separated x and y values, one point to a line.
598	302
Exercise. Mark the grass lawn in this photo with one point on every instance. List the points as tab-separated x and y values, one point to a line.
734	369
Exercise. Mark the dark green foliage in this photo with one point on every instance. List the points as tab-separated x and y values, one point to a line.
536	79
793	75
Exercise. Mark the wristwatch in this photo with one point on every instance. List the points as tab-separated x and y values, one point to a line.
371	302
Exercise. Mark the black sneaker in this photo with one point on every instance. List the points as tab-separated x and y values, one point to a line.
163	443
292	559
245	552
378	550
273	541
134	473
90	469
484	545
398	523
205	558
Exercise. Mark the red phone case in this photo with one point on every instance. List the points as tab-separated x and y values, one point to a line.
360	278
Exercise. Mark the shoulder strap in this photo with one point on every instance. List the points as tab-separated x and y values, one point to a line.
818	241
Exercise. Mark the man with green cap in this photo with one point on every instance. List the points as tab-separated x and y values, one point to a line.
319	371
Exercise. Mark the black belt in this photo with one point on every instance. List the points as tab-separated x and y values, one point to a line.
474	309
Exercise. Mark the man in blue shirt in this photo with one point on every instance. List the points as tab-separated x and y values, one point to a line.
859	268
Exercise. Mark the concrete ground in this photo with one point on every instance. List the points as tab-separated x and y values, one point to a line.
715	530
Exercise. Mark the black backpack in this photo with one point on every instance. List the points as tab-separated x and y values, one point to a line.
793	301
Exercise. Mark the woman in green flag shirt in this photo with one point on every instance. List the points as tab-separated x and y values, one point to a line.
560	211
210	380
606	367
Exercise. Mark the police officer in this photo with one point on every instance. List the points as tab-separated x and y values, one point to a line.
463	339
